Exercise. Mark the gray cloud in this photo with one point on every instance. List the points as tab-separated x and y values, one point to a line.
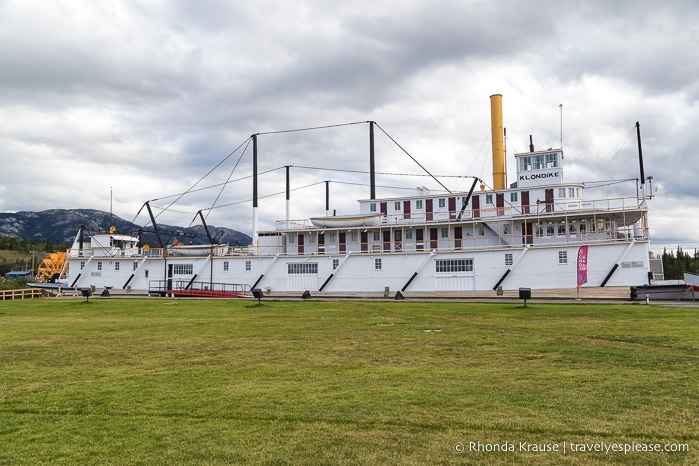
148	97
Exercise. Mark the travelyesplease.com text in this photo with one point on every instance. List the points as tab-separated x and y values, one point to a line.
569	447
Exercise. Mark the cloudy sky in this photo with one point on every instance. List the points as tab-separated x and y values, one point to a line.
139	100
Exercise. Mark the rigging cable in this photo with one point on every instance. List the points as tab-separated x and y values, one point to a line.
200	179
344	170
229	177
216	185
413	158
312	128
246	142
265	196
614	151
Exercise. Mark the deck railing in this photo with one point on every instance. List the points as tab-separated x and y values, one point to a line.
197	289
535	210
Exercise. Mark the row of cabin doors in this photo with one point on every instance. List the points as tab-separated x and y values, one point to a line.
386	240
527	231
475	205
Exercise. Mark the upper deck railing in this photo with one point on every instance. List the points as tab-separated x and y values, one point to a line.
560	207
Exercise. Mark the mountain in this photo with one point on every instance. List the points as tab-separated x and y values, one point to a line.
61	226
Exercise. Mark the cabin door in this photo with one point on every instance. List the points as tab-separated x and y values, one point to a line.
500	203
343	241
476	206
406	209
525	202
420	239
387	240
321	243
527	235
428	209
433	238
300	243
548	195
452	207
364	238
458	235
384	208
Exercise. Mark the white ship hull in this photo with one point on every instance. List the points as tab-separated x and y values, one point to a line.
538	268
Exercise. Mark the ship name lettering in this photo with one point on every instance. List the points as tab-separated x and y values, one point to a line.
538	176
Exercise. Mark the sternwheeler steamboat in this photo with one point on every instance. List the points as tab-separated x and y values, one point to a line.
488	239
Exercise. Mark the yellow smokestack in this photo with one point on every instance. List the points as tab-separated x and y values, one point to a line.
499	173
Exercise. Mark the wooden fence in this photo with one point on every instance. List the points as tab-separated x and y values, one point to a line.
24	293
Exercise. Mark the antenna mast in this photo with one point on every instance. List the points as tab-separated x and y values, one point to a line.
561	107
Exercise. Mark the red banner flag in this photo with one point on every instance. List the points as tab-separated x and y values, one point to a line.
582	265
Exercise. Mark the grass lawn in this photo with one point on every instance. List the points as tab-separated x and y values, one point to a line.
160	381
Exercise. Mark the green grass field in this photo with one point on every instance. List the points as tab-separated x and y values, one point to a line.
159	381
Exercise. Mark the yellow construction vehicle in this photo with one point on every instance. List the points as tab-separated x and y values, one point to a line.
51	268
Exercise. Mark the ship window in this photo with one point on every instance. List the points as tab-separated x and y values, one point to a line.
99	265
408	234
311	238
513	197
551	160
302	268
549	230
572	229
135	265
396	206
463	200
445	232
82	265
537	162
525	164
562	257
331	237
582	228
353	236
561	192
488	198
562	229
145	274
183	269
225	266
508	258
398	235
454	265
116	266
418	204
377	236
442	202
571	192
336	263
372	207
377	263
291	239
248	266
